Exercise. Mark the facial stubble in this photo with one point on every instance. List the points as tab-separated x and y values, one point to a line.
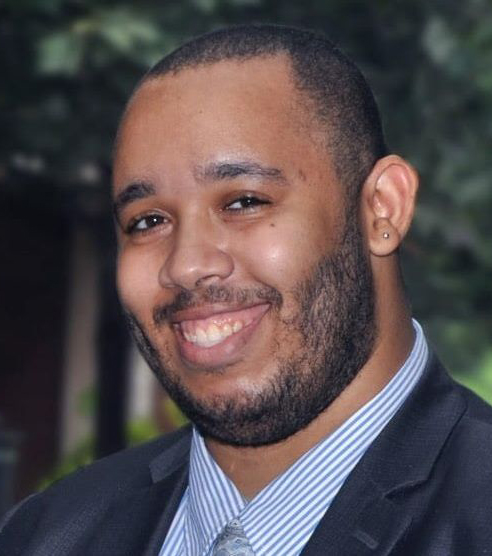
336	327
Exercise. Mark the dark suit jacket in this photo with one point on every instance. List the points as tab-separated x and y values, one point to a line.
424	488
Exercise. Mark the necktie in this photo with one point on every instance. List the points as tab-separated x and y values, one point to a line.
232	541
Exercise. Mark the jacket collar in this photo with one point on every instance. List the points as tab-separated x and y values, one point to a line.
363	518
173	457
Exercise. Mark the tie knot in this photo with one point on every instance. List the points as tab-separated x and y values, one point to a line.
232	541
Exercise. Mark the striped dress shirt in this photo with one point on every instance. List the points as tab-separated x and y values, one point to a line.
281	518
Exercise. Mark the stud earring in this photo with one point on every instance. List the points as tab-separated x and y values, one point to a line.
386	235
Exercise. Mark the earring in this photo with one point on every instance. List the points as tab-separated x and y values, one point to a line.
386	235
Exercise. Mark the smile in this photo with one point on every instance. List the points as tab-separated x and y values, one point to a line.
216	337
210	332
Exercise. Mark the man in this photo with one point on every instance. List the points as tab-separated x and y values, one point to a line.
259	220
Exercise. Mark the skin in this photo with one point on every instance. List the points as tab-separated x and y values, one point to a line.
178	125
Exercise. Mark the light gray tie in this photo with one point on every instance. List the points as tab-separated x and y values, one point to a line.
232	541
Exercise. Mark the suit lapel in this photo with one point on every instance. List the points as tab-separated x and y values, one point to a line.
138	521
174	487
373	510
361	524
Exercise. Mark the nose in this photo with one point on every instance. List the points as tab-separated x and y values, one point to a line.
198	258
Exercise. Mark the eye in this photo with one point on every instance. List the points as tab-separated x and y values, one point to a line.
245	203
145	223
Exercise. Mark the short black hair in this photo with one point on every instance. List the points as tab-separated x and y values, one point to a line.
343	100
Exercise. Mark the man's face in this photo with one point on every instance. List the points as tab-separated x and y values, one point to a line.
245	284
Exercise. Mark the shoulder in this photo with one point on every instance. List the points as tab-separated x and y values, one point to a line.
478	411
462	476
104	480
465	416
469	451
127	468
474	430
467	447
452	508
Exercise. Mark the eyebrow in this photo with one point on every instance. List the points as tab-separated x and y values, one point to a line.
217	171
214	171
132	192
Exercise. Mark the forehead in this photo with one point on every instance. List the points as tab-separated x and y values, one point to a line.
250	109
261	83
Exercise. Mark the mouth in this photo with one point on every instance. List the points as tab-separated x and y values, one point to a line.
216	338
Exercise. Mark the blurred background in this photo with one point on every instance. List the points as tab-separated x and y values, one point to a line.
72	386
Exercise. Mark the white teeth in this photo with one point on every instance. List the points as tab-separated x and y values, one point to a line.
189	337
201	336
213	335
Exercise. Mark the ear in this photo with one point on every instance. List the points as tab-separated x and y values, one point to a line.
388	203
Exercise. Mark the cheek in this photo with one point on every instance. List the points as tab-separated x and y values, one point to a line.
282	254
137	280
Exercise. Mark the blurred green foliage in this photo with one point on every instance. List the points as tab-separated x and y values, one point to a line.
173	414
68	67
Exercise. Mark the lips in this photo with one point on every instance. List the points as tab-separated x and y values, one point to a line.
216	338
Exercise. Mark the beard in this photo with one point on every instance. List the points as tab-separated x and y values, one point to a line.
335	324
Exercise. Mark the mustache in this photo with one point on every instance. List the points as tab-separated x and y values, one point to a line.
188	299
